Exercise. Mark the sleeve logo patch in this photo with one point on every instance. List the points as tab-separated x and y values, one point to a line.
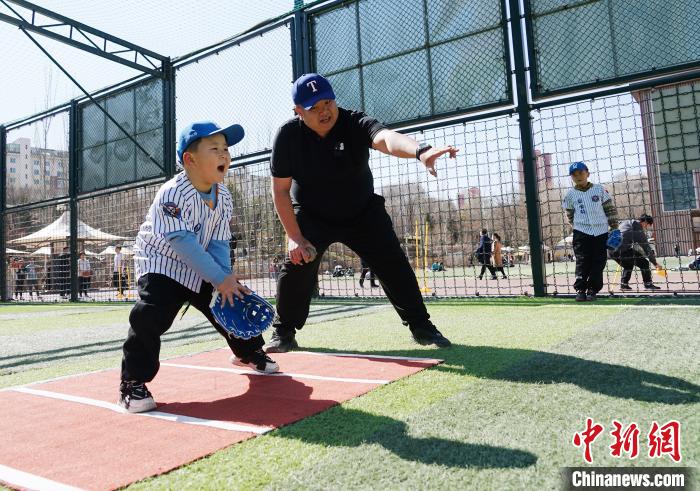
595	198
171	209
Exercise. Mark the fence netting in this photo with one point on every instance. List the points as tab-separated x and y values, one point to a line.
609	39
435	57
628	142
112	154
404	63
37	160
248	83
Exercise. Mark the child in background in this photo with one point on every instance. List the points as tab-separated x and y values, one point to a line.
591	212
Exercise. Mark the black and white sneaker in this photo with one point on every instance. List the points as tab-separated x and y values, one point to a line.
258	361
134	397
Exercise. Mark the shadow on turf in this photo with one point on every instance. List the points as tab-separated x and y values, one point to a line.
277	401
539	367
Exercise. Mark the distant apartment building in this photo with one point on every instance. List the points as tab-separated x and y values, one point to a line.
671	123
42	171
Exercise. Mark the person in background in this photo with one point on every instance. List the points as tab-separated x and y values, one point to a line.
32	279
366	271
64	272
592	213
84	275
636	251
498	255
118	271
483	254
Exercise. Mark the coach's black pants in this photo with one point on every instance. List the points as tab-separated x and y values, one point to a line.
591	256
160	300
371	236
628	260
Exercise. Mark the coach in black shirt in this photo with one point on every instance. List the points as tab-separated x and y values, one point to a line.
323	192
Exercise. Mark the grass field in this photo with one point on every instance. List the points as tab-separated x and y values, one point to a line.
499	413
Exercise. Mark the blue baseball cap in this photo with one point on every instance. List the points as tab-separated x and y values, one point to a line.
310	88
193	132
577	166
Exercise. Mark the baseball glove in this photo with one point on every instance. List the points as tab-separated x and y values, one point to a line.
246	319
614	240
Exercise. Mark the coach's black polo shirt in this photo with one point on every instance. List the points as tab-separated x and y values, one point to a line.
331	178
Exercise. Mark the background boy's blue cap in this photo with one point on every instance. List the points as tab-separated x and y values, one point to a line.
310	88
200	129
577	166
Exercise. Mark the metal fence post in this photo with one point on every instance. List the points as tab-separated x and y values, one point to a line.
73	123
301	44
529	163
3	198
168	118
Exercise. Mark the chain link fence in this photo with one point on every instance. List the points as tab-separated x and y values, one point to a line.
399	62
247	83
407	61
37	160
609	40
626	140
108	146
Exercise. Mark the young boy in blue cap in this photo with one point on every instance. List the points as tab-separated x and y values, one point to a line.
591	212
181	254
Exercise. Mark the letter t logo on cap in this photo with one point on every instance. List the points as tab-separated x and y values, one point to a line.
312	84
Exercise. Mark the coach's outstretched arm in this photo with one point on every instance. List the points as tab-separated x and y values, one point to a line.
393	143
298	245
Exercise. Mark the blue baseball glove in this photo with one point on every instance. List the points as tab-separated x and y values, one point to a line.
614	240
246	319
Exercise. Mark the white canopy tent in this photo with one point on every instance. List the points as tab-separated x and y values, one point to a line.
565	242
59	231
42	251
15	251
110	251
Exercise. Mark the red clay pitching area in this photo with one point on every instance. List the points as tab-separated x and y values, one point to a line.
69	433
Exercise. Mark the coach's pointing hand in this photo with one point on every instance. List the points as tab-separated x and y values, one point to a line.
430	156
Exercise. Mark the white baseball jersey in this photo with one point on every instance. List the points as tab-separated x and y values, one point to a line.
178	206
589	216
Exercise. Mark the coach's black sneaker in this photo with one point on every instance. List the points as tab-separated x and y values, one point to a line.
427	334
281	343
591	297
258	361
134	397
651	286
581	296
625	286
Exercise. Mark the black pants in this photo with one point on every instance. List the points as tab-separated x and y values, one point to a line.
160	300
84	285
628	260
118	281
591	256
371	236
371	277
485	261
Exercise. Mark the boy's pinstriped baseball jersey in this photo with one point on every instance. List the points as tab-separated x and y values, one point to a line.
178	206
589	215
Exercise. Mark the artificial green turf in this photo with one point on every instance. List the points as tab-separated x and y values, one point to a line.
499	413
